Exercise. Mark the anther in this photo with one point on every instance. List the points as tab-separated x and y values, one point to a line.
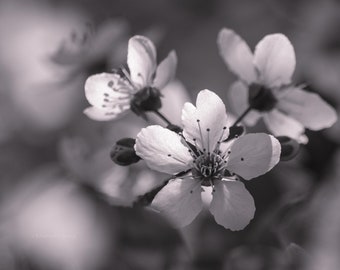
242	158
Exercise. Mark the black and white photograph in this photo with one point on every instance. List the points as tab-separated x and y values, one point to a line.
169	135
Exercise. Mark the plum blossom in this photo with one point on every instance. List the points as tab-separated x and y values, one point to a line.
201	156
113	94
265	86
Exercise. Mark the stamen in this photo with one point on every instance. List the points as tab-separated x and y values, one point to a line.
177	159
192	153
201	135
220	139
128	77
208	129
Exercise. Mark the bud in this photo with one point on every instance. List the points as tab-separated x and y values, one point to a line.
261	98
147	99
289	148
234	132
123	152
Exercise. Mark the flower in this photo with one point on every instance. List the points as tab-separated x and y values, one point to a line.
112	94
265	85
200	157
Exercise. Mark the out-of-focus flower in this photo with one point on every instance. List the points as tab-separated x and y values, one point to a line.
200	156
113	94
52	223
50	48
265	86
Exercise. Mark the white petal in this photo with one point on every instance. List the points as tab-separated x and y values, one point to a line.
180	201
207	122
253	155
238	95
275	59
108	91
162	150
308	108
283	125
105	115
141	60
236	54
232	205
166	70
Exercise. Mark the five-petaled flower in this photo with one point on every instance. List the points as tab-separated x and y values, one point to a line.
265	85
112	94
200	155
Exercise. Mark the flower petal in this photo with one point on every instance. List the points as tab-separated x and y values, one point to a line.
180	201
166	70
205	124
162	150
141	60
283	125
253	155
108	91
237	55
105	115
275	59
308	108
232	205
238	95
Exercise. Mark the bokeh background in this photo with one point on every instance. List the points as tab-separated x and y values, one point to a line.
65	205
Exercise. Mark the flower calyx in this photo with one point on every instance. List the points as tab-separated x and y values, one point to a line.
147	99
261	98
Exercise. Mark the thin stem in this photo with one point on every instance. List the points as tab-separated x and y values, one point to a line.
147	198
160	115
239	119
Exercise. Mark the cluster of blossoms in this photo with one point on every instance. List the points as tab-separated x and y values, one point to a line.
205	150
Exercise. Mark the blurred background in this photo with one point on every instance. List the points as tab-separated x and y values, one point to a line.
65	205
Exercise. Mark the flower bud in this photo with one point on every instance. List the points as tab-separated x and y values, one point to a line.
289	148
235	131
147	99
123	152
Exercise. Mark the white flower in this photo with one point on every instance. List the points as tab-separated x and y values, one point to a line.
207	160
265	84
112	94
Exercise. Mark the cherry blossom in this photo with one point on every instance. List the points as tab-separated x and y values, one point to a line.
201	156
114	94
265	86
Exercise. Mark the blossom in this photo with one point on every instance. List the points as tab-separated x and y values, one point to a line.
113	94
200	156
265	85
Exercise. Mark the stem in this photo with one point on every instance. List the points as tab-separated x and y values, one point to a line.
147	198
160	115
239	119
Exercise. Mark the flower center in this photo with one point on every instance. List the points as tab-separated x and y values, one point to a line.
208	167
146	99
261	98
